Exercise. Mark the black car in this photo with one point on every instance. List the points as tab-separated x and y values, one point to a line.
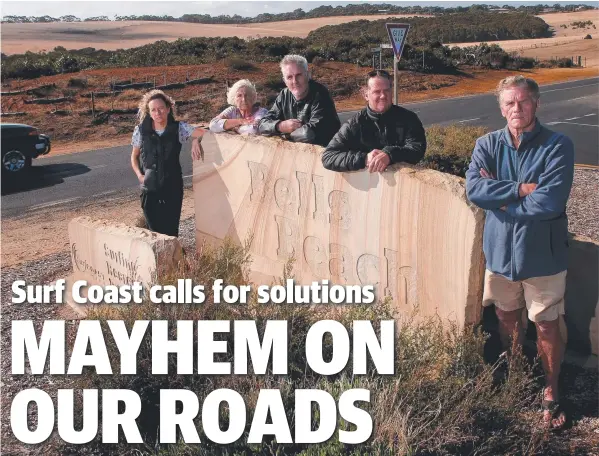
20	145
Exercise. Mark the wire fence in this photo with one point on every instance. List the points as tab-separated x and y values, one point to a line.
94	95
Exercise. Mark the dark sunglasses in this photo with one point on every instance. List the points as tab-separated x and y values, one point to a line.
375	73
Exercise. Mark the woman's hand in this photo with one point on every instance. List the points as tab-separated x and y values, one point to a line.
140	178
197	152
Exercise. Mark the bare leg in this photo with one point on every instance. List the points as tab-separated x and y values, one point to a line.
551	348
510	325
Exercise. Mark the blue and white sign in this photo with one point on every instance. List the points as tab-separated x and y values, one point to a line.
398	34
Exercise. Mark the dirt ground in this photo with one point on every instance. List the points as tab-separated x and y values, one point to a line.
41	233
19	38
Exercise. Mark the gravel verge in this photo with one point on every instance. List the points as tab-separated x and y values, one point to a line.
583	205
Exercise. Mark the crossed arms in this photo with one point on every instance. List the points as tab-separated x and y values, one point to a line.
542	200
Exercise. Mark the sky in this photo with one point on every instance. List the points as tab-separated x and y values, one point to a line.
85	9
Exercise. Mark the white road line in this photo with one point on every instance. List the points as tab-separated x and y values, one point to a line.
97	166
489	93
106	193
53	203
573	123
580	117
582	98
569	88
468	120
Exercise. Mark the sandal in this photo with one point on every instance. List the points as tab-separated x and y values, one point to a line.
555	413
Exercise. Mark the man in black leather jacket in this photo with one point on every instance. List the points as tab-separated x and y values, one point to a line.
377	136
304	111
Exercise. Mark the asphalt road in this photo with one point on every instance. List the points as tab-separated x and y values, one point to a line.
571	108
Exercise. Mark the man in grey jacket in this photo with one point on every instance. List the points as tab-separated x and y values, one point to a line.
304	111
522	176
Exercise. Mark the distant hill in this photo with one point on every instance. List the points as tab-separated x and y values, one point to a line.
321	11
449	28
349	42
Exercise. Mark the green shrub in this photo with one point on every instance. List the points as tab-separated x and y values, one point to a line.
238	64
77	82
318	61
449	148
273	82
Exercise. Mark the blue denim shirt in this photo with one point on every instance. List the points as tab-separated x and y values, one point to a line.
530	237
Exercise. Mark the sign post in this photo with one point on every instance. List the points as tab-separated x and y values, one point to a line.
397	34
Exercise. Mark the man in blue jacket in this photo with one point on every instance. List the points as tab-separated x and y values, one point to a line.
522	176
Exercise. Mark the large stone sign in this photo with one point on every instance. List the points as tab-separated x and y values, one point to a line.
108	253
582	295
412	233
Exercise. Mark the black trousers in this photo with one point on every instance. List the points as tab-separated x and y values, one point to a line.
162	210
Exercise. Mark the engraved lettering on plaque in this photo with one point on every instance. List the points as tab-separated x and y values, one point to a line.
368	269
401	281
316	256
340	211
288	237
302	180
286	197
258	173
408	284
318	213
340	264
391	256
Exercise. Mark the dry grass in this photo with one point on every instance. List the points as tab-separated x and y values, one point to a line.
449	148
441	400
556	20
20	38
567	42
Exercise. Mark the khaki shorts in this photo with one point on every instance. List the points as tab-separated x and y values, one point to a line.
543	297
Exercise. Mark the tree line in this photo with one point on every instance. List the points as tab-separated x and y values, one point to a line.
320	11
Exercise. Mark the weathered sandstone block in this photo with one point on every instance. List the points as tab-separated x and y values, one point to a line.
104	252
410	232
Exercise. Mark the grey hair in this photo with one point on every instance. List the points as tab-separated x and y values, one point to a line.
295	60
518	81
250	90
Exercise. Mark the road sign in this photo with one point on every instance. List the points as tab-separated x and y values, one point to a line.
397	34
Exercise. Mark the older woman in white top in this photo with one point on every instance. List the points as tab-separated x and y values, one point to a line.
243	114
